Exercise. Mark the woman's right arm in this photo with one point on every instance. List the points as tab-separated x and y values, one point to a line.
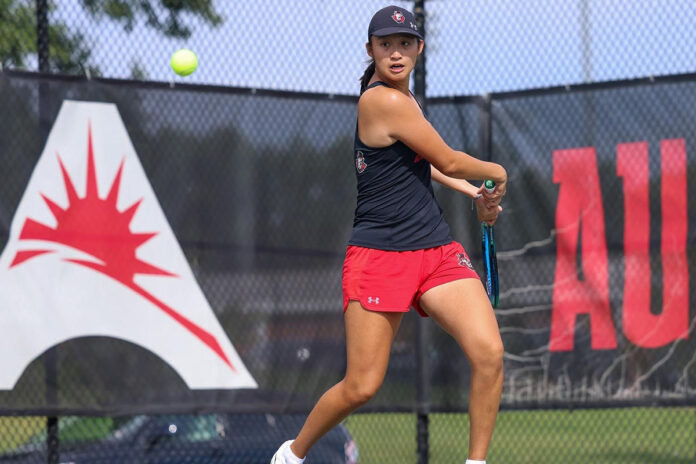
399	116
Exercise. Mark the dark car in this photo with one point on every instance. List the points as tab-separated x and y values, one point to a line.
204	438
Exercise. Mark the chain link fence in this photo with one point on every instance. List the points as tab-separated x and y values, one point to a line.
473	47
252	173
483	47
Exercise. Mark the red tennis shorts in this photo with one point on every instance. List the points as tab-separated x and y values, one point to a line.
393	281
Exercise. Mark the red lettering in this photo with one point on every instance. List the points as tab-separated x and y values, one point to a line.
675	267
580	210
641	326
632	165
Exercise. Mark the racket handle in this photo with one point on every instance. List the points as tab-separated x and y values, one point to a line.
490	263
489	185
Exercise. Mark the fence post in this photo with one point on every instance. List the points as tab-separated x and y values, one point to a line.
419	71
42	34
485	128
422	387
50	358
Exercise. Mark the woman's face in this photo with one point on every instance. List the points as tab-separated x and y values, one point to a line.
395	55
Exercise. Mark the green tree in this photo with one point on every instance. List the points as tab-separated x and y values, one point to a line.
69	51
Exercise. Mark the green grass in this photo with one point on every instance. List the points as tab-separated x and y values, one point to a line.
15	431
607	436
597	436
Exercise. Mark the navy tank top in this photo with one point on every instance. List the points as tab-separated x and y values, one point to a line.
396	209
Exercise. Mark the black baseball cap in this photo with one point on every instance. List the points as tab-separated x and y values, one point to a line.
393	20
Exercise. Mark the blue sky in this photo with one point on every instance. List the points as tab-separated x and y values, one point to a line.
473	46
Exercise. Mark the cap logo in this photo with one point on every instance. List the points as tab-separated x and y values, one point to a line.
398	16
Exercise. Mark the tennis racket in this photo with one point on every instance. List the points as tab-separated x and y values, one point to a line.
490	261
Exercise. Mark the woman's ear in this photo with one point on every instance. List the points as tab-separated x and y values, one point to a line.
368	48
421	44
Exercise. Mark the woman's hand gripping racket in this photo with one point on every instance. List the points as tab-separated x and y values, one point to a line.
490	261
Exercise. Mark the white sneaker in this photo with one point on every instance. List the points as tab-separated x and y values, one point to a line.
279	456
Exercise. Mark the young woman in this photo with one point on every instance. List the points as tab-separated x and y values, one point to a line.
400	253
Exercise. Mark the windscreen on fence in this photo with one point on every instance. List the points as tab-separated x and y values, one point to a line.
596	245
180	249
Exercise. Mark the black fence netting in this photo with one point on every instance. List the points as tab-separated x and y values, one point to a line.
598	249
262	302
252	190
257	192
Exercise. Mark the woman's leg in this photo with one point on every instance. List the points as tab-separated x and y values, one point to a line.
369	337
463	310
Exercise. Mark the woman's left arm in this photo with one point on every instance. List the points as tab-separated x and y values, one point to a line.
486	213
460	185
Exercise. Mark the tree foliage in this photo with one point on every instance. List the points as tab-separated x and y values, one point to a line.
164	15
18	43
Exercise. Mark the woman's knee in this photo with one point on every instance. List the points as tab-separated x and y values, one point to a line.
359	392
488	356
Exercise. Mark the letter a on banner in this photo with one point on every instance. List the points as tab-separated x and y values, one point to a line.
91	253
579	211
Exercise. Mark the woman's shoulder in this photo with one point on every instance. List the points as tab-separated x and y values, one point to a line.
382	98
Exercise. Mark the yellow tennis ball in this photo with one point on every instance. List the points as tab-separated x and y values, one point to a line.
184	62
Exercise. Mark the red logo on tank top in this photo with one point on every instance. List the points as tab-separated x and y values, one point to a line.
398	16
360	164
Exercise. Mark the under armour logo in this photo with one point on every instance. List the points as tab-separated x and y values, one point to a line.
373	300
413	26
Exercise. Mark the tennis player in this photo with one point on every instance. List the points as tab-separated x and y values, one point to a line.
400	253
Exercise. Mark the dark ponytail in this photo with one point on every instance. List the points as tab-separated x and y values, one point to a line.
367	75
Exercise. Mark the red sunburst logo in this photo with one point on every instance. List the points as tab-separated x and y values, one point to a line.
95	226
